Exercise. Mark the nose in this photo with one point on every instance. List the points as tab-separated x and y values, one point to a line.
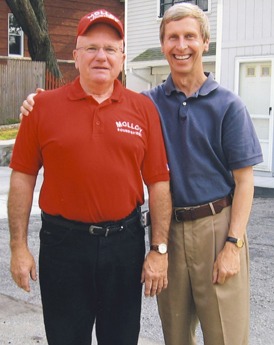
101	54
182	43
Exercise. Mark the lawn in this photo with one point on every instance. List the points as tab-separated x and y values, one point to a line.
8	133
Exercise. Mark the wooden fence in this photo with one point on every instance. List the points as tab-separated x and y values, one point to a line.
17	79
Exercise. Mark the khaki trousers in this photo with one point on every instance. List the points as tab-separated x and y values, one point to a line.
223	310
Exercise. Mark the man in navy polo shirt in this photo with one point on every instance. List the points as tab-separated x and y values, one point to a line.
211	147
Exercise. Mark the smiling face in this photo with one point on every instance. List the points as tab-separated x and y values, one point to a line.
183	47
99	68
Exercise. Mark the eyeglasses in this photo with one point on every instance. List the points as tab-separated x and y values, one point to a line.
94	49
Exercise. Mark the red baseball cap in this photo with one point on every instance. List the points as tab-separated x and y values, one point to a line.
99	16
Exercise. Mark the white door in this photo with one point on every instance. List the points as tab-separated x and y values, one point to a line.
255	90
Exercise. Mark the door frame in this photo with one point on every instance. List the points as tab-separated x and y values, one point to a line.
262	58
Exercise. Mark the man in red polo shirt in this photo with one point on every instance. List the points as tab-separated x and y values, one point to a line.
97	142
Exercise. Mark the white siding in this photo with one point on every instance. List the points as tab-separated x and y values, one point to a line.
143	25
247	22
212	16
248	30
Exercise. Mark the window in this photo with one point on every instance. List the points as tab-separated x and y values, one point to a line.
16	37
265	71
250	71
165	4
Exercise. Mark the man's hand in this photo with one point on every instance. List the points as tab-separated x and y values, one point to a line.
19	205
227	263
154	273
22	265
27	105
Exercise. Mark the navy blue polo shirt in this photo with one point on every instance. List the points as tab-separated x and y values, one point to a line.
207	136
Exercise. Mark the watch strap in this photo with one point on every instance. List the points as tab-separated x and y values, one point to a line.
159	248
237	241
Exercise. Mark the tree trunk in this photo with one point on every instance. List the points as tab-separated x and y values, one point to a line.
31	16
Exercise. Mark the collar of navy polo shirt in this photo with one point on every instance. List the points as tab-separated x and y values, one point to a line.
209	85
76	91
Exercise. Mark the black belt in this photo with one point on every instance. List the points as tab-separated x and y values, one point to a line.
99	229
197	212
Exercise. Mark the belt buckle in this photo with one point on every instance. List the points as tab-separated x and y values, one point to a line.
182	209
92	227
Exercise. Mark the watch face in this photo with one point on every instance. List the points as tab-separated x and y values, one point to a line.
240	243
162	248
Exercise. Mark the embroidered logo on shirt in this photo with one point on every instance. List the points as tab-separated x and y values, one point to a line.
128	127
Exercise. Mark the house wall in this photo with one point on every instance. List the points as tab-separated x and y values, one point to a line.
248	30
248	35
143	25
63	17
4	10
143	33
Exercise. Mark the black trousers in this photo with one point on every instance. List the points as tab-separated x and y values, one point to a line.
86	278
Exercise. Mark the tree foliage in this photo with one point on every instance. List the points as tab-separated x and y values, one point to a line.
31	16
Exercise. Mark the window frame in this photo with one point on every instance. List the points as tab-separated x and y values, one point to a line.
172	3
19	34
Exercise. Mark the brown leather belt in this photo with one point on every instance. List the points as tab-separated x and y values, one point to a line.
197	212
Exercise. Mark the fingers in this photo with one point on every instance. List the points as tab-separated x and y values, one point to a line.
226	265
148	288
221	277
154	273
148	283
154	286
24	284
25	108
27	105
220	274
22	281
22	267
33	273
215	274
162	284
29	102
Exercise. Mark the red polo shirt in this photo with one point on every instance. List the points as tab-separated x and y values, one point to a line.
94	155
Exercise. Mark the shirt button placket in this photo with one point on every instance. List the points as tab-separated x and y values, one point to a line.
183	111
97	122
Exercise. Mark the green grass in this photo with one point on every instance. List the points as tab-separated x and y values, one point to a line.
8	134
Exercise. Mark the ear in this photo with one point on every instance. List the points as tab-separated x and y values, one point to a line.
122	61
206	45
75	57
162	48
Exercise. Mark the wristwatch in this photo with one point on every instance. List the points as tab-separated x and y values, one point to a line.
237	241
160	248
